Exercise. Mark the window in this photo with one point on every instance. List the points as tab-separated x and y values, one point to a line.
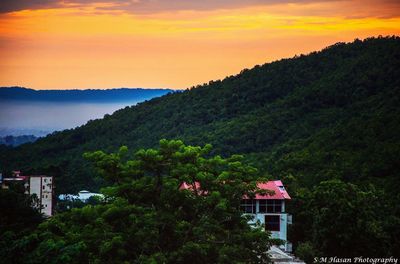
270	206
248	206
262	206
272	222
43	187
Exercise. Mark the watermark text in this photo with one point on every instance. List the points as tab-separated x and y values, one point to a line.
356	260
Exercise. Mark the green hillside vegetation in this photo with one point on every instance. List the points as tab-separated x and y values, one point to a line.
326	123
147	218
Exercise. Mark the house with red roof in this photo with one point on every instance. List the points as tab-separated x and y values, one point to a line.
268	210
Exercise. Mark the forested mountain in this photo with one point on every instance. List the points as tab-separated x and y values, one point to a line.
89	95
339	105
329	120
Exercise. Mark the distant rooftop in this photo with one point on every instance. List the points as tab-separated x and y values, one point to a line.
83	195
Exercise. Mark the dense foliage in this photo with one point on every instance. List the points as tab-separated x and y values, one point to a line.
330	119
148	219
343	219
17	219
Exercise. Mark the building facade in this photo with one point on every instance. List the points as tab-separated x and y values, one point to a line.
40	187
268	210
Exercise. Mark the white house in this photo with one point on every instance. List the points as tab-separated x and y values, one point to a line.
269	210
82	195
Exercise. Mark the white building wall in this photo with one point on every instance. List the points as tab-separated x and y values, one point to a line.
260	218
35	185
47	195
42	186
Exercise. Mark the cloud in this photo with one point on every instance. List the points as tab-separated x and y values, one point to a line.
140	6
15	5
363	8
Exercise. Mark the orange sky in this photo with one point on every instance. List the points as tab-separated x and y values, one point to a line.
172	44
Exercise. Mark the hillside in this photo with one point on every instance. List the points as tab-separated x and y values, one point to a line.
326	123
333	105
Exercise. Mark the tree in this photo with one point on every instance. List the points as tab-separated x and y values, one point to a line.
17	210
347	221
18	217
148	218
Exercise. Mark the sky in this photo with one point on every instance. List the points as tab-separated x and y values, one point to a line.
69	44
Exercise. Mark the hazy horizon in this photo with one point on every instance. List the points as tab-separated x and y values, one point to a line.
87	88
39	112
52	116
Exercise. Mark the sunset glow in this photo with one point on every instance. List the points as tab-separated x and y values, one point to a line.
104	44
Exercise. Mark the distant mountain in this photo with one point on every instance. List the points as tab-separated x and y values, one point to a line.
17	140
33	112
90	95
4	131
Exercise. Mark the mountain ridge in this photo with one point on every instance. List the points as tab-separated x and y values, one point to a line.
81	95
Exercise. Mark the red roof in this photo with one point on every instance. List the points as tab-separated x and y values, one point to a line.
19	178
277	187
187	186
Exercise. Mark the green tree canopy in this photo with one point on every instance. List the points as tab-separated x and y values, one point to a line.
148	218
346	220
17	218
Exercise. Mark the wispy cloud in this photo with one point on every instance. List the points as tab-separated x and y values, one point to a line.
347	8
16	5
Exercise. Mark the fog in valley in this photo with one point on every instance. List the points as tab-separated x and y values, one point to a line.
39	118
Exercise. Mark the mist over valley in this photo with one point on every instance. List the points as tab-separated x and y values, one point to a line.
31	112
